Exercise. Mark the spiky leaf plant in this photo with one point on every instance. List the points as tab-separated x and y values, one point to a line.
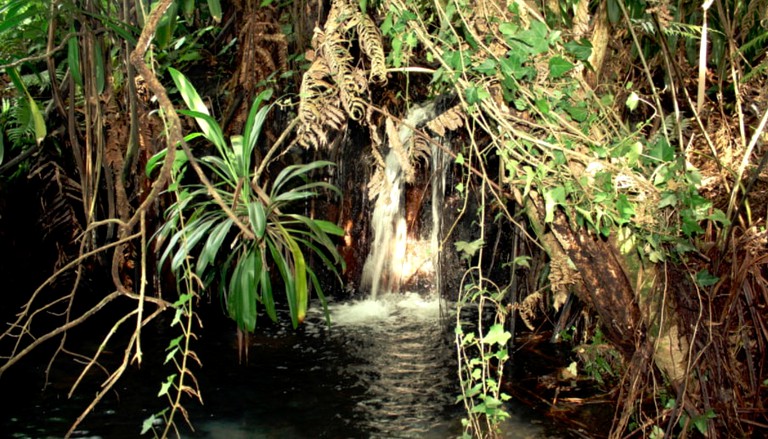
237	250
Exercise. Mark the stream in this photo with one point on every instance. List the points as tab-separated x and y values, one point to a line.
383	370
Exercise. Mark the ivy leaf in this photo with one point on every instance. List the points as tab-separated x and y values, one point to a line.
632	100
469	248
559	66
476	94
662	151
667	199
719	217
625	207
166	385
487	67
705	279
577	112
496	335
581	50
552	198
508	29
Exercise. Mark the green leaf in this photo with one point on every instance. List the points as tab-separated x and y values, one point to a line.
717	216
632	101
212	245
166	385
508	29
214	6
496	335
188	8
487	67
535	38
73	58
476	94
559	66
39	122
167	26
254	122
705	279
552	198
625	207
258	218
614	11
577	112
469	248
581	50
198	109
99	57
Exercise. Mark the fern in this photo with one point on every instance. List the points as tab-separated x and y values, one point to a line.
19	126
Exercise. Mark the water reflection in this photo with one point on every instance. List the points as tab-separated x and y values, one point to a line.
382	371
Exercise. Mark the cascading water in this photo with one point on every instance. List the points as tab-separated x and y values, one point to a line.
382	272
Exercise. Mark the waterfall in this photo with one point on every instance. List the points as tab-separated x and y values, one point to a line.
383	269
440	162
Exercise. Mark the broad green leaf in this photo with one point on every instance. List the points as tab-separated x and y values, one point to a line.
211	130
214	6
577	112
39	122
717	216
213	244
614	11
209	126
662	151
258	218
559	66
287	275
625	207
254	122
73	58
667	199
508	29
195	231
267	298
167	26
154	162
99	57
300	276
147	424
293	171
188	8
535	37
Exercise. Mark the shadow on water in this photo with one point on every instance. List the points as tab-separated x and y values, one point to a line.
383	370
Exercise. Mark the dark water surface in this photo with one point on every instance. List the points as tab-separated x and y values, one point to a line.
384	370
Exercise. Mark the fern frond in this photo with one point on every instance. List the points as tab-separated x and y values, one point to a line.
371	44
450	120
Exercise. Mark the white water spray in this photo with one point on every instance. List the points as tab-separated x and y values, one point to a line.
384	265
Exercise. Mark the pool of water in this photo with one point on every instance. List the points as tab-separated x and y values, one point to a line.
383	370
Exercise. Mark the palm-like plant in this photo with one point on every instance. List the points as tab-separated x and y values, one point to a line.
257	233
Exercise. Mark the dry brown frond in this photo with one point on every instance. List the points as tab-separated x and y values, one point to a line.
448	121
371	44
